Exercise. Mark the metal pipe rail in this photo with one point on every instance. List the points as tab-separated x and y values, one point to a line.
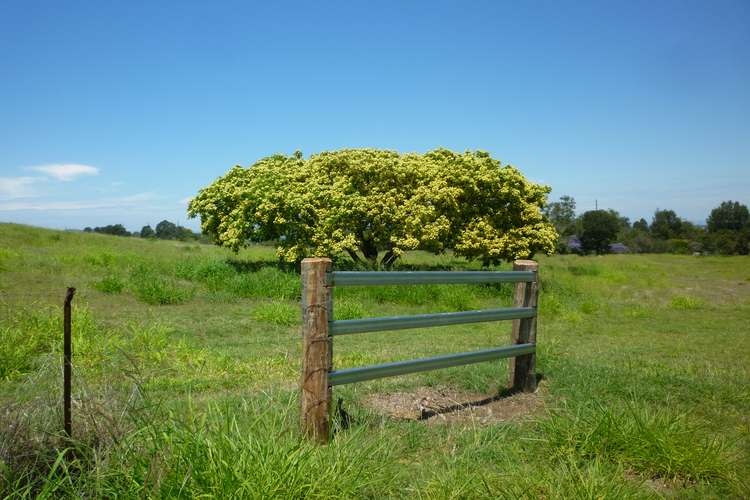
347	326
371	278
351	375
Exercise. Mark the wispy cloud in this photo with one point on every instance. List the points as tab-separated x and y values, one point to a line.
18	187
185	201
65	171
126	202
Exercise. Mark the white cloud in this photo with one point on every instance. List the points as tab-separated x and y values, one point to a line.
18	187
185	201
126	202
65	171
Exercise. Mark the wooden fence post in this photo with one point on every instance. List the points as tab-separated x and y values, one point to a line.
315	398
522	368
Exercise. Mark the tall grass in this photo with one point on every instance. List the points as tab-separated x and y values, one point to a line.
656	443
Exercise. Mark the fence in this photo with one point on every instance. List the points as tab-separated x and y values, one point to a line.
319	328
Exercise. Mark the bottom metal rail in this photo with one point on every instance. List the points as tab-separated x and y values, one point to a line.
350	375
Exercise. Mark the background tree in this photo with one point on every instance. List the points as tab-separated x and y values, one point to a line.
730	215
728	229
147	232
114	229
666	224
562	215
166	230
599	228
641	225
373	205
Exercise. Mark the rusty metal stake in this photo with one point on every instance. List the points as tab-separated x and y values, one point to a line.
67	364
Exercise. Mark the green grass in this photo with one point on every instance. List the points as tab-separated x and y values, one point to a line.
187	360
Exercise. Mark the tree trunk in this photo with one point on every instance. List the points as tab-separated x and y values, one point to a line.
388	259
370	251
354	256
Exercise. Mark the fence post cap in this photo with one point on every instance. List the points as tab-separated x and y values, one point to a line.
526	263
312	260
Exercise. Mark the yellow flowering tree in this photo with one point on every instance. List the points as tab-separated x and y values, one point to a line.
374	205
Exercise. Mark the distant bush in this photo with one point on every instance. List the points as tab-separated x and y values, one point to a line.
152	288
110	284
114	229
278	313
267	282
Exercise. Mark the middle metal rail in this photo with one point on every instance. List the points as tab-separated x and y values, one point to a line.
348	326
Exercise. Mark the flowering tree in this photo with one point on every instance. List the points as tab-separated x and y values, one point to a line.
373	205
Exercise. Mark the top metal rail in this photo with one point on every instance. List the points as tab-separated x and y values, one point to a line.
360	278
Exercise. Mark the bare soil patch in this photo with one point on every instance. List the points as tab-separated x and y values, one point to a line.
436	405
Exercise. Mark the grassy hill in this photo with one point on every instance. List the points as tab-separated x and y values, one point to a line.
187	360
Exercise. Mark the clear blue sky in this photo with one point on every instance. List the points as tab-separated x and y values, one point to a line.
119	111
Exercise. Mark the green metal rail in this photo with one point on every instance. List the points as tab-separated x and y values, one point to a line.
368	278
371	278
343	327
350	375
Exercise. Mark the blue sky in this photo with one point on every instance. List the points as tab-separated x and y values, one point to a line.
117	112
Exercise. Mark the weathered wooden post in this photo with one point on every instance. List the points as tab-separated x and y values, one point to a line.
522	368
315	398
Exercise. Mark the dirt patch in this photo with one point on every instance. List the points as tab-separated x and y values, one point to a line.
657	484
445	405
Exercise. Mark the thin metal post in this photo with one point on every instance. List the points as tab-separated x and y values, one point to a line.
67	364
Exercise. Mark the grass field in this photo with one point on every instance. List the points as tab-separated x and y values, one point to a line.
187	359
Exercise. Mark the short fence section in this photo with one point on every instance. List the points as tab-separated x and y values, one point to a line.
319	328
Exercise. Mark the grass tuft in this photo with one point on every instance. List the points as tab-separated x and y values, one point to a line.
151	288
277	313
685	303
110	284
654	442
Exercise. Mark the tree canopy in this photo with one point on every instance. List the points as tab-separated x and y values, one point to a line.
598	229
730	215
562	214
369	203
666	224
115	229
147	232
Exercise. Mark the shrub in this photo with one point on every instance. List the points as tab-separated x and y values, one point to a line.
278	313
110	284
153	289
267	282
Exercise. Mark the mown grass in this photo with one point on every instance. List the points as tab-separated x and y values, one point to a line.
187	359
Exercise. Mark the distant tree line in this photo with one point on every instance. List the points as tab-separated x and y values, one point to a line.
727	231
165	230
